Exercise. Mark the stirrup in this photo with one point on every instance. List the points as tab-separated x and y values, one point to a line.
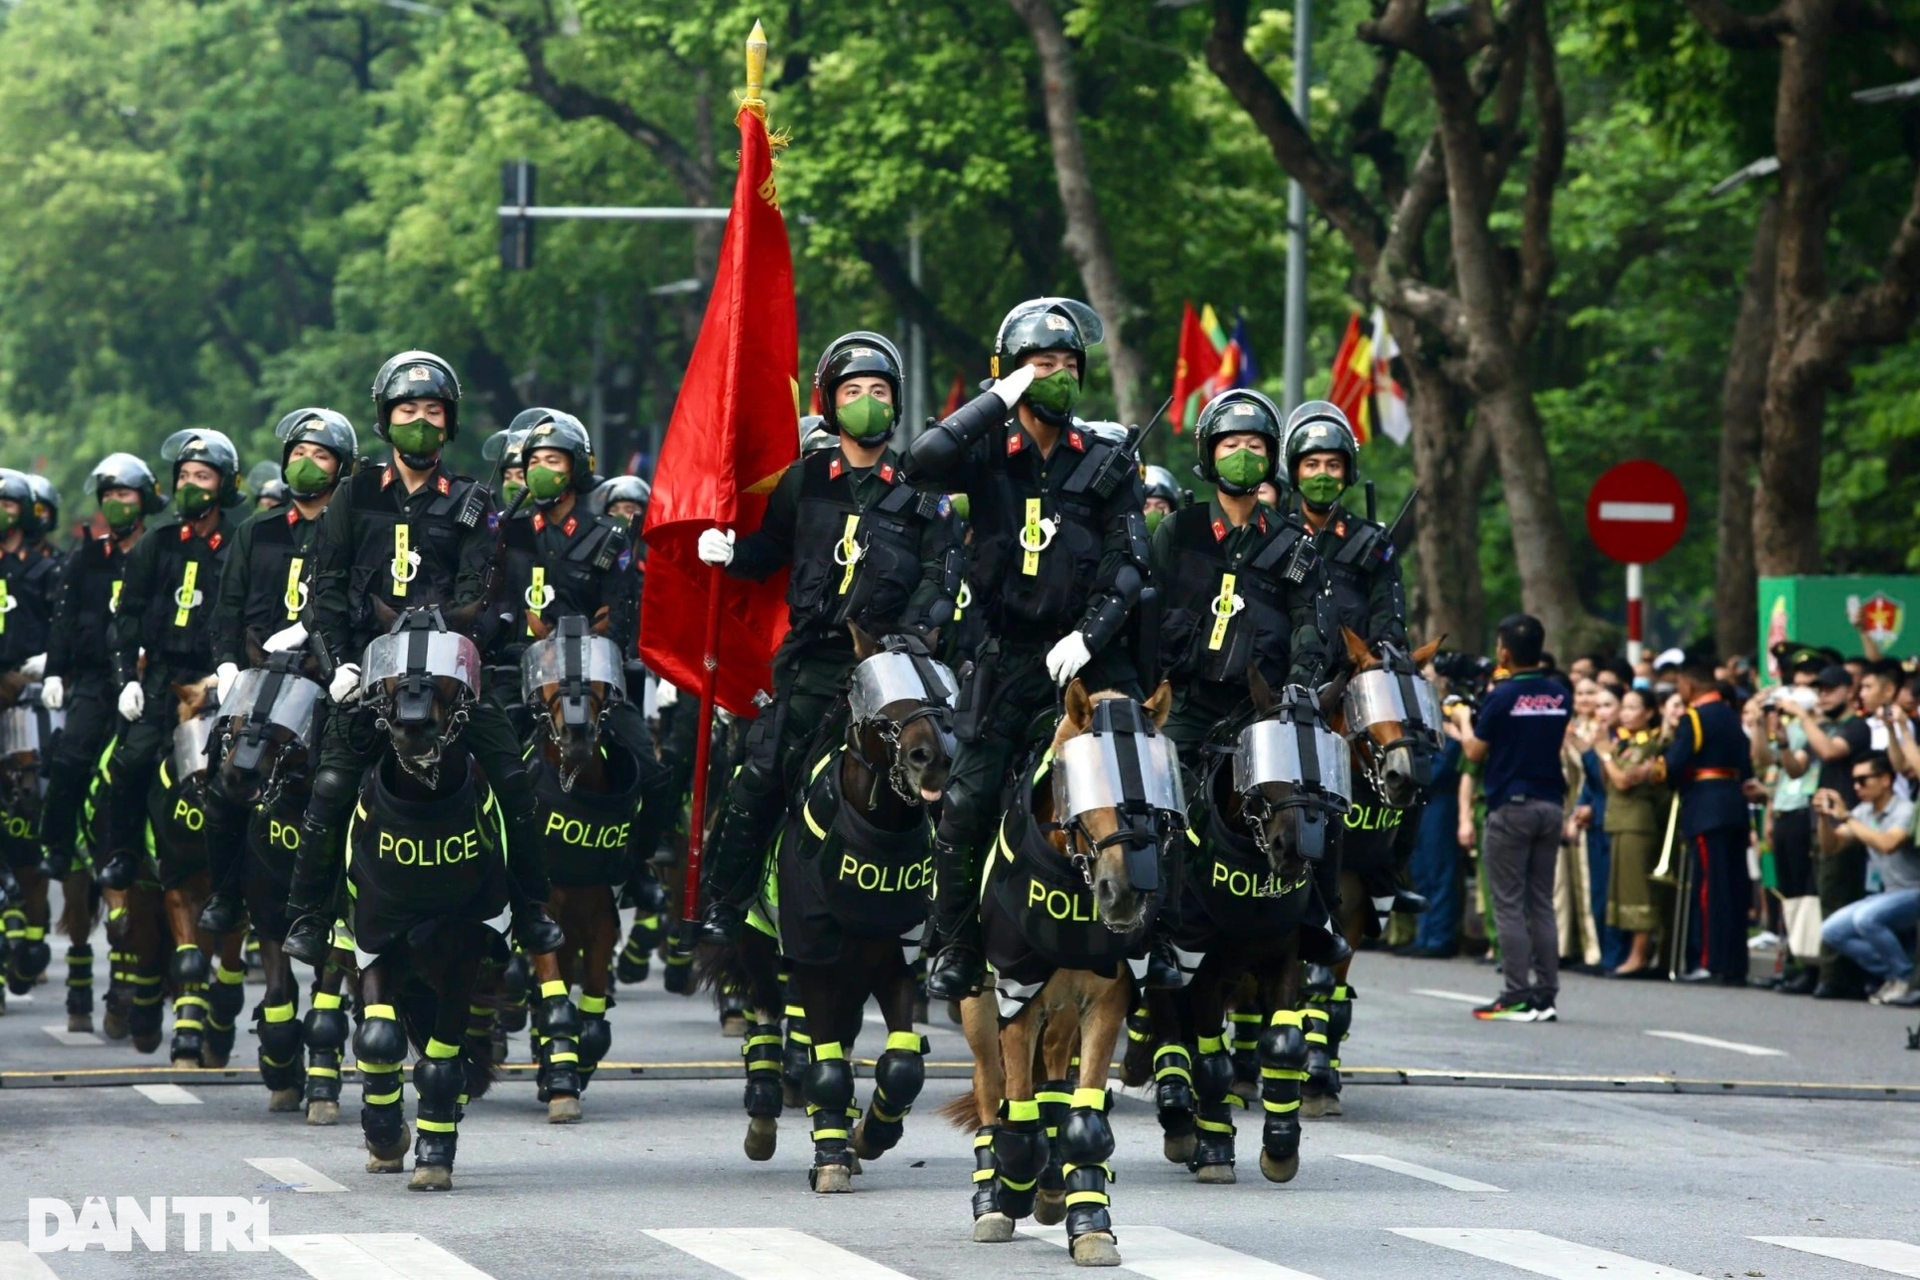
309	939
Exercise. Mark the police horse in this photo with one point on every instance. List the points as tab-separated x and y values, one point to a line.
428	895
27	732
1272	794
845	904
1069	890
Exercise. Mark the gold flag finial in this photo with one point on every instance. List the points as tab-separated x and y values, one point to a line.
756	70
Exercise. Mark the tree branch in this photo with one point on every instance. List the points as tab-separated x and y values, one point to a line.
948	337
1737	30
1374	140
1549	157
1875	316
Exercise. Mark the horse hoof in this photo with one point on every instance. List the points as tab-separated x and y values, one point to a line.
1330	1106
431	1177
80	1022
1050	1207
113	1026
386	1164
733	1027
832	1179
1095	1249
1215	1175
563	1110
763	1134
853	1165
1178	1148
283	1100
992	1228
1279	1170
147	1044
181	1063
323	1113
212	1063
1245	1090
390	1159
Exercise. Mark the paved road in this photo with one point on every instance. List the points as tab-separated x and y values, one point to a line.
1424	1180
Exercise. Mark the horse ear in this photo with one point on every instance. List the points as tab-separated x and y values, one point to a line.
1331	694
864	645
383	613
1160	704
1424	654
256	652
1079	707
1257	686
1357	651
602	620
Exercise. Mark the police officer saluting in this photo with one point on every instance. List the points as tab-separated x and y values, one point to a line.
407	533
863	549
263	591
1060	555
166	607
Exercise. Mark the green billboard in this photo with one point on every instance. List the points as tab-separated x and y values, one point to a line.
1822	610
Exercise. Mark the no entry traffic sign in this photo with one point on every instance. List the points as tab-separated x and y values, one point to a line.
1636	512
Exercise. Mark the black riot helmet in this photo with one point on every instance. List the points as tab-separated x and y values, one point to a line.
415	375
1232	413
324	427
507	447
15	488
563	431
860	354
1318	426
124	471
197	444
621	489
1161	484
1046	324
46	505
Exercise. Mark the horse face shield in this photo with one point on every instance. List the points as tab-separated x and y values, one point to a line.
573	667
1396	694
416	666
1126	765
897	687
27	732
1294	762
270	710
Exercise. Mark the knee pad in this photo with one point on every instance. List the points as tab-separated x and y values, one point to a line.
225	1000
380	1039
1213	1070
557	1016
1020	1145
596	1037
31	956
1087	1137
280	1036
189	967
325	1029
333	793
901	1071
1283	1045
1320	983
439	1082
828	1084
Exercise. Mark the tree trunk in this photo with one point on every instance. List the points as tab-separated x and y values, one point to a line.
1450	463
1086	237
1742	394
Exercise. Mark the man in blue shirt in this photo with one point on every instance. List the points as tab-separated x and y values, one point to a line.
1516	741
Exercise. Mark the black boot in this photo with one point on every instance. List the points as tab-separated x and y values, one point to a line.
1407	902
720	924
1163	967
958	969
535	930
223	912
728	882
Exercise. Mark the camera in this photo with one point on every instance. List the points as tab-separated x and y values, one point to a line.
1468	676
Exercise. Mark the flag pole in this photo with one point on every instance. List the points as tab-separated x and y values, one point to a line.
710	662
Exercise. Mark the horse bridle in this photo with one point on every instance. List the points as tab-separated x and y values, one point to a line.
413	696
932	706
259	722
574	692
1297	710
1142	828
1416	735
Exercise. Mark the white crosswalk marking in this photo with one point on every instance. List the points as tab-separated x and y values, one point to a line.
1420	1171
1896	1257
294	1174
72	1039
17	1262
772	1253
1458	997
1544	1255
395	1256
1160	1253
167	1095
1712	1042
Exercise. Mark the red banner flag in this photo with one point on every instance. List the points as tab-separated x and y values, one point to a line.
1352	388
1197	365
734	430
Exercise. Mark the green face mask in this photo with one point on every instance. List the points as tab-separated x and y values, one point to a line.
307	478
421	439
961	504
194	501
1056	393
865	418
7	521
511	490
1242	468
120	516
1153	520
546	484
1323	490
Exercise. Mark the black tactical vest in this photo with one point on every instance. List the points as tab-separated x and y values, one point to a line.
555	587
186	578
854	564
93	593
26	604
1356	551
1222	617
280	570
402	562
1022	586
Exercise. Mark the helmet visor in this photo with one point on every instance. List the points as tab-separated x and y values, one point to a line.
437	654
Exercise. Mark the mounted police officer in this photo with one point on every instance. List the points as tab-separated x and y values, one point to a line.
864	548
266	587
406	533
1323	462
1163	494
1060	555
166	608
28	573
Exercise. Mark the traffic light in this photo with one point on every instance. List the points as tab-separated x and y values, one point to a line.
516	233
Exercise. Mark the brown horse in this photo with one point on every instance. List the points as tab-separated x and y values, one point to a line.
1061	912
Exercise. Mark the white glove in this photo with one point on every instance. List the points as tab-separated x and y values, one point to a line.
346	683
1065	659
287	638
132	702
35	667
1014	385
223	677
665	695
716	546
53	693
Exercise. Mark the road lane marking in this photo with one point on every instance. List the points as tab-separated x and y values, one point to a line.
1896	1257
72	1039
1544	1255
1161	1253
772	1253
1732	1046
1420	1171
1458	997
295	1175
385	1256
17	1262
167	1095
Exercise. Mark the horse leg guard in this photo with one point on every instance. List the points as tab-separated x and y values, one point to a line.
117	1005
79	986
1339	1021
1086	1142
380	1052
280	1066
515	983
31	956
1019	1156
828	1089
479	1033
189	971
762	1055
796	1055
225	999
733	1012
1284	1055
1050	1192
1173	1100
1319	1085
1245	1046
556	1031
438	1079
898	1076
991	1226
325	1034
596	1036
636	958
1213	1120
147	1013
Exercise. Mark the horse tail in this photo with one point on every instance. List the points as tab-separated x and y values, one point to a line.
716	968
961	1112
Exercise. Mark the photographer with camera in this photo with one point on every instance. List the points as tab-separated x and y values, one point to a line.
1867	930
1516	739
1780	747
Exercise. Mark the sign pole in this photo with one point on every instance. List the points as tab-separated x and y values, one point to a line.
1636	590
